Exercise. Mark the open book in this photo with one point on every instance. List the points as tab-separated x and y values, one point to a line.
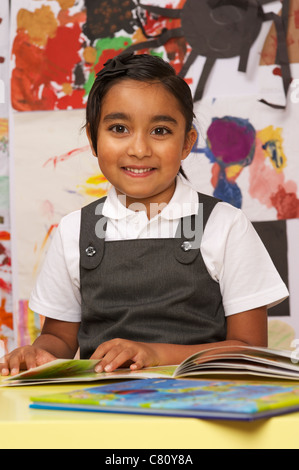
217	361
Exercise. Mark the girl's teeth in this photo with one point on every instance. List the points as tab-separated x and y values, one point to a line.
138	170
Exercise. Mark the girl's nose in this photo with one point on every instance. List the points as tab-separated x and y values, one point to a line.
139	146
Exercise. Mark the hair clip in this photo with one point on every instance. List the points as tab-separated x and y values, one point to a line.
116	66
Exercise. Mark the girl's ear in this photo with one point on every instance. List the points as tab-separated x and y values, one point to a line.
190	140
90	141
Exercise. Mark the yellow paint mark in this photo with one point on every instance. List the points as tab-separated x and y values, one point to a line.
138	36
67	88
95	186
40	24
96	179
33	331
3	128
233	171
90	55
272	143
65	4
94	192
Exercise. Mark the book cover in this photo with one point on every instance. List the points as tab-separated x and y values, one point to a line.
232	361
213	399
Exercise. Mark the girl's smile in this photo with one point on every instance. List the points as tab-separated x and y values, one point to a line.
139	172
142	140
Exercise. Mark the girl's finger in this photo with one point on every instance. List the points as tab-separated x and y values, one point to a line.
4	369
117	358
137	365
14	363
103	349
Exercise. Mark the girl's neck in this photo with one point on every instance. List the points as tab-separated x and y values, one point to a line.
152	205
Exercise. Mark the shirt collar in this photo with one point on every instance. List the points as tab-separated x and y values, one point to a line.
184	202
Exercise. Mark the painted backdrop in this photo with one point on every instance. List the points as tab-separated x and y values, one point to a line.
7	336
241	65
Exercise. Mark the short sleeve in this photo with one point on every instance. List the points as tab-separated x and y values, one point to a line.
236	257
57	290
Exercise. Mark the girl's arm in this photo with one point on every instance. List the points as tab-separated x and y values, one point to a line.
58	339
248	328
245	328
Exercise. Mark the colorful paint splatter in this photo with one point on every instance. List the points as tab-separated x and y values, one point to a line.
230	147
233	144
58	53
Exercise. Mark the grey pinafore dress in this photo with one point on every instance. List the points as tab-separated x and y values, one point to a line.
150	290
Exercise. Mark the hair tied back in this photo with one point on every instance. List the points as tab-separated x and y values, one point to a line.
116	66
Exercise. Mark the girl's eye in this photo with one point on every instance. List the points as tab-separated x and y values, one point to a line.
161	131
119	129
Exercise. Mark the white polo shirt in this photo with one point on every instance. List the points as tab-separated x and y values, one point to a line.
233	254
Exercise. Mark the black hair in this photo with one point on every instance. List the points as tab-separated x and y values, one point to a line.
140	67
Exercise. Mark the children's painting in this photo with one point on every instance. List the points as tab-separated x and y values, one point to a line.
7	333
246	96
55	174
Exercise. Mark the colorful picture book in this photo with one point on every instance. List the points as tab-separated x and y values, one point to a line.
202	398
232	361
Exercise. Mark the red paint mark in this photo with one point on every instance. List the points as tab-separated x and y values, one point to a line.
176	48
74	100
6	261
6	286
106	55
66	156
277	71
215	174
6	318
60	61
296	18
37	68
4	235
65	18
26	77
50	230
2	60
286	204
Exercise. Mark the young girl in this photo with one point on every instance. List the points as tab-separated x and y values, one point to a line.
124	280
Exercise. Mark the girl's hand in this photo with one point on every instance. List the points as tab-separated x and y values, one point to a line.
124	353
25	357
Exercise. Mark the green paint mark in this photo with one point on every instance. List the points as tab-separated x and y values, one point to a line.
116	44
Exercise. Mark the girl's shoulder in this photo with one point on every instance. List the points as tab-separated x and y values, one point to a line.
228	222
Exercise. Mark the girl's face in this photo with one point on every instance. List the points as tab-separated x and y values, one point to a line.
141	141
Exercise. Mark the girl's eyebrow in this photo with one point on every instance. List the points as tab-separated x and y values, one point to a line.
126	117
165	118
113	116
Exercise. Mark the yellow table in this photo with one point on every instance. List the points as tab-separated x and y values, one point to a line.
25	428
